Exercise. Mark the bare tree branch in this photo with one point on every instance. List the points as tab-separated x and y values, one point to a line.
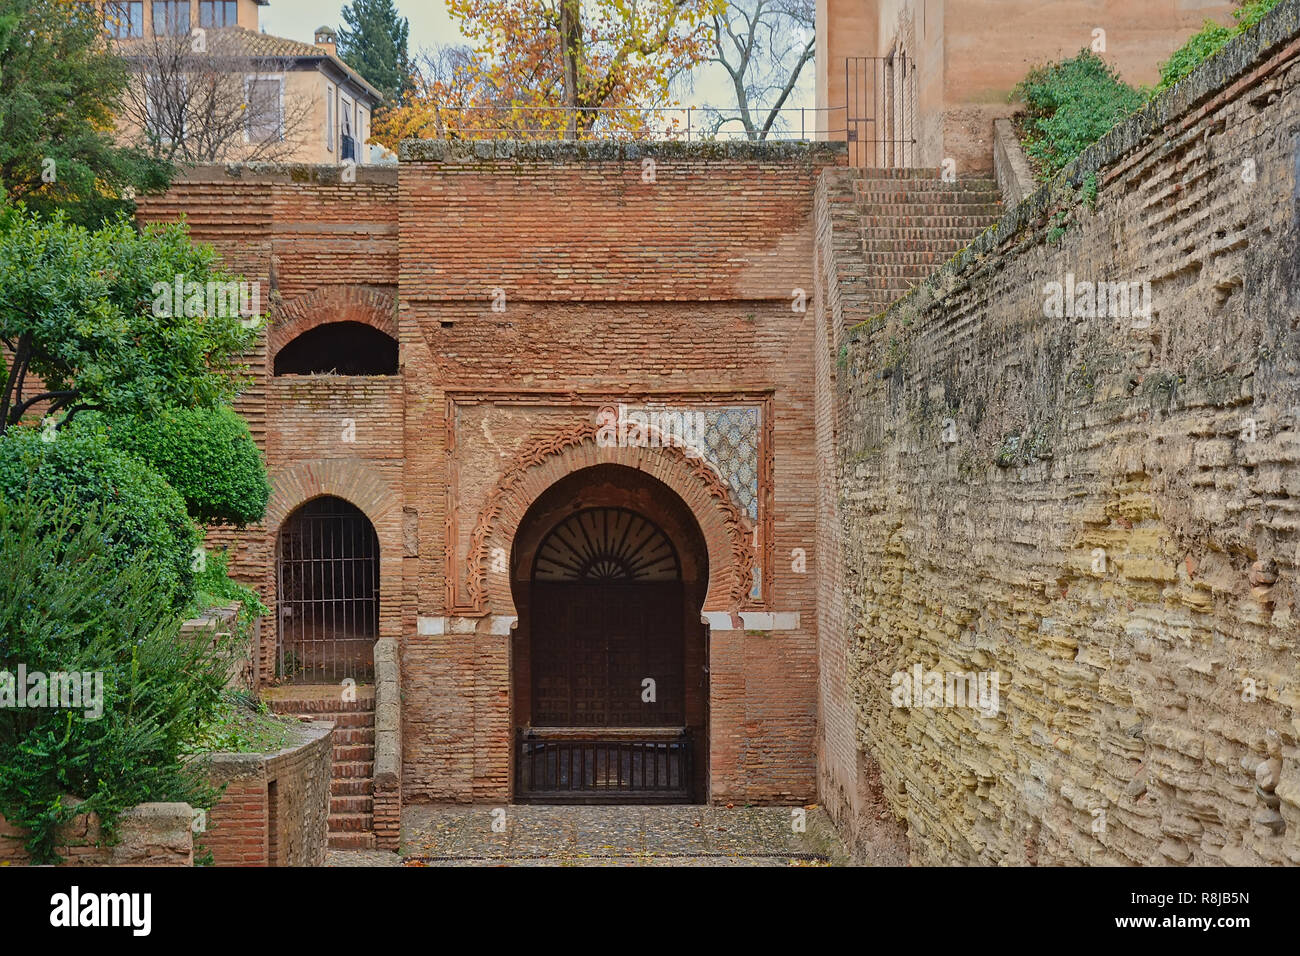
201	105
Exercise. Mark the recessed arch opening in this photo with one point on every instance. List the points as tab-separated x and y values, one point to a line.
327	593
610	661
339	348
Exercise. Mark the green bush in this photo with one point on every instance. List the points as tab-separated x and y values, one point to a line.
1212	38
68	602
141	513
206	454
1071	105
215	586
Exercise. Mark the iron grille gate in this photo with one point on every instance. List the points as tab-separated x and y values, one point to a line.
328	593
880	110
558	768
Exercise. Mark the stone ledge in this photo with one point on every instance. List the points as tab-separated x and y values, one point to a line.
325	174
751	620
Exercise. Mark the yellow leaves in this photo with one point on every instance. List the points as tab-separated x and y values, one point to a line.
627	53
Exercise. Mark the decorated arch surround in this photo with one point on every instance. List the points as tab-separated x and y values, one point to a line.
330	304
546	460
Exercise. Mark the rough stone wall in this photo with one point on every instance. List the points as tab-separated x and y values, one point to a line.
151	834
1102	512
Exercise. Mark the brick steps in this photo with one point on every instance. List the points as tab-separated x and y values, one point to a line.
908	223
352	805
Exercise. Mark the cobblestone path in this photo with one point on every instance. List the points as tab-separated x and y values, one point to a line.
606	836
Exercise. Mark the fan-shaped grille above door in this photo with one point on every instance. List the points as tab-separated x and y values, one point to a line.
606	545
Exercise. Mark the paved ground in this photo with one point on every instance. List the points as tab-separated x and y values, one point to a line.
606	836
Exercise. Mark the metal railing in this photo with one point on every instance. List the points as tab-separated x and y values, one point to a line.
691	124
585	766
880	105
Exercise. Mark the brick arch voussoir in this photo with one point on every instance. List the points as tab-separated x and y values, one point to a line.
358	484
354	482
542	463
330	304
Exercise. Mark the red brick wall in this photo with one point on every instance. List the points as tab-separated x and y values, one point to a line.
616	288
239	828
236	833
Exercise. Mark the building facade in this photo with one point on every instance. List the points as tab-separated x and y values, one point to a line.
541	416
939	72
210	87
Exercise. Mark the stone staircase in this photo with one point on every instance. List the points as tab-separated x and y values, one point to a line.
910	222
351	820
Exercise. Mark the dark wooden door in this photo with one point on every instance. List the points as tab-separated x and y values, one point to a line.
594	646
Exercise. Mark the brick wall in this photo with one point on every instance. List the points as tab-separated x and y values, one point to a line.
1100	512
639	273
246	827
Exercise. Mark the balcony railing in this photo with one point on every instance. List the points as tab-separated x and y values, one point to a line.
600	765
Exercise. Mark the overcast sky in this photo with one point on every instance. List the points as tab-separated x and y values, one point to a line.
432	26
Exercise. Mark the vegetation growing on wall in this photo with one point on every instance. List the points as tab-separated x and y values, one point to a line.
1211	38
1069	106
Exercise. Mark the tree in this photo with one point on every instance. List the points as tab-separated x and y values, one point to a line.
68	604
763	45
195	99
556	67
122	321
374	44
60	86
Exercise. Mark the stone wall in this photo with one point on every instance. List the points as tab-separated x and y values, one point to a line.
1011	167
151	834
1101	513
274	808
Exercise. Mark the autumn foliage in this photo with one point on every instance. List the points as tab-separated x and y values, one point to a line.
556	68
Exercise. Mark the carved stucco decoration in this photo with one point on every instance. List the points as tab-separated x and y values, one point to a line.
557	443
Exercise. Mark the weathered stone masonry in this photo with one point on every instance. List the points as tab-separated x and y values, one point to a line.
1105	514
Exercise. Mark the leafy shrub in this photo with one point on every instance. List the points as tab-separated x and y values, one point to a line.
140	512
215	586
79	313
1199	48
206	454
69	602
1071	105
1212	38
